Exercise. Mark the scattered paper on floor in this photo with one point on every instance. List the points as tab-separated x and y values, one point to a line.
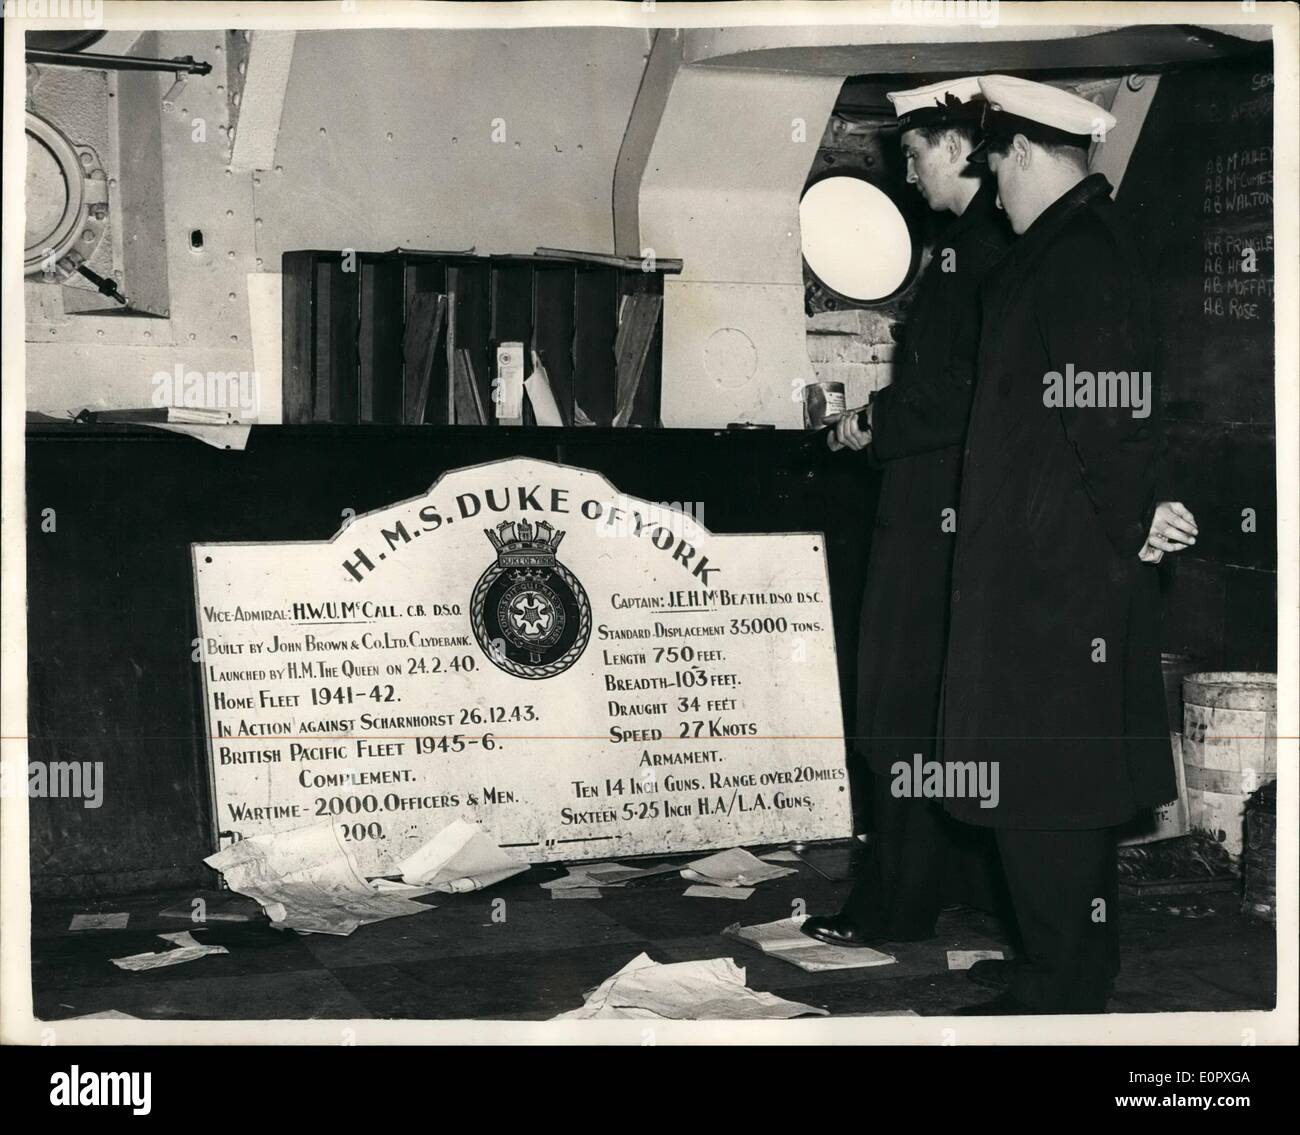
617	874
781	855
582	876
734	868
215	908
115	921
187	950
576	893
386	886
105	1015
703	891
783	939
462	857
306	881
964	959
713	989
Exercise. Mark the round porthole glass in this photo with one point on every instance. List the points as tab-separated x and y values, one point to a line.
855	239
55	195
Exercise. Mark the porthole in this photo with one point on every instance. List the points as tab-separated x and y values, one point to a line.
855	239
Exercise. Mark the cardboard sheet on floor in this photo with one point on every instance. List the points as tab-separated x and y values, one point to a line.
832	862
114	921
187	950
106	1015
734	868
217	907
460	858
617	875
712	989
582	876
703	891
964	959
306	881
783	939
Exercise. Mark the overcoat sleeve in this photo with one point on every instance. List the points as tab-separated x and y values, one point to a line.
930	411
1094	314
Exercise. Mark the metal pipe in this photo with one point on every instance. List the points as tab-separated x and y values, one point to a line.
185	65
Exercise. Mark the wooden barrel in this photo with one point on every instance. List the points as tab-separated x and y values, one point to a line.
1229	748
1174	668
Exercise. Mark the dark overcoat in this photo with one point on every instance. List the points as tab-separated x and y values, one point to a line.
1053	670
919	423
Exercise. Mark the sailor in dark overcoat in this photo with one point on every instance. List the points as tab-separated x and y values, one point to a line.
1052	689
919	858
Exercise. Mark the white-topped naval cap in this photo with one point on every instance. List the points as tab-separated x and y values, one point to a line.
936	103
1045	105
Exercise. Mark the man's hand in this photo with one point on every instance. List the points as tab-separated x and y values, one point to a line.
1173	528
845	434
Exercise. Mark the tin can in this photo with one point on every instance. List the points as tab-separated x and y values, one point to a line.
823	403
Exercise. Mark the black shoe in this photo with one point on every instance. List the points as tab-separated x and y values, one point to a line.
836	930
991	973
1004	1005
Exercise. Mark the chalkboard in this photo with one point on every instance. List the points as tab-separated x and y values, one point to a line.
1200	193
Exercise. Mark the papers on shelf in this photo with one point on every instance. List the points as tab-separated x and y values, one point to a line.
541	397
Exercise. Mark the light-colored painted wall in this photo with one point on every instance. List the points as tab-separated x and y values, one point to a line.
562	97
442	140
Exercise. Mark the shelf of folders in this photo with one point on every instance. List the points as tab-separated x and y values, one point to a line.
555	338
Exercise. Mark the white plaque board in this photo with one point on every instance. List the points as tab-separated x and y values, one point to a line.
584	673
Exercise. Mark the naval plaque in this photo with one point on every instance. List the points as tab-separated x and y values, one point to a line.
585	673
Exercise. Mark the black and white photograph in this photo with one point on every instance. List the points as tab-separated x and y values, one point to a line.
645	523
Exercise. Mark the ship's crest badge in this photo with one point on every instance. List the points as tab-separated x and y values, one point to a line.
531	616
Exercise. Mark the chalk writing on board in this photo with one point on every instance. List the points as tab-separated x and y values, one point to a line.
1258	105
1238	282
1238	181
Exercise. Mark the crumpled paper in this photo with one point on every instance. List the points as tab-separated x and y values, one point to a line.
305	880
712	989
187	950
462	857
734	868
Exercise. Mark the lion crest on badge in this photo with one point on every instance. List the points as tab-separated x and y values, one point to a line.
530	614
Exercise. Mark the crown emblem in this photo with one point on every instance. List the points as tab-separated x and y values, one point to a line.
524	544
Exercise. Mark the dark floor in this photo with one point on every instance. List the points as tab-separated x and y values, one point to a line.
1185	952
